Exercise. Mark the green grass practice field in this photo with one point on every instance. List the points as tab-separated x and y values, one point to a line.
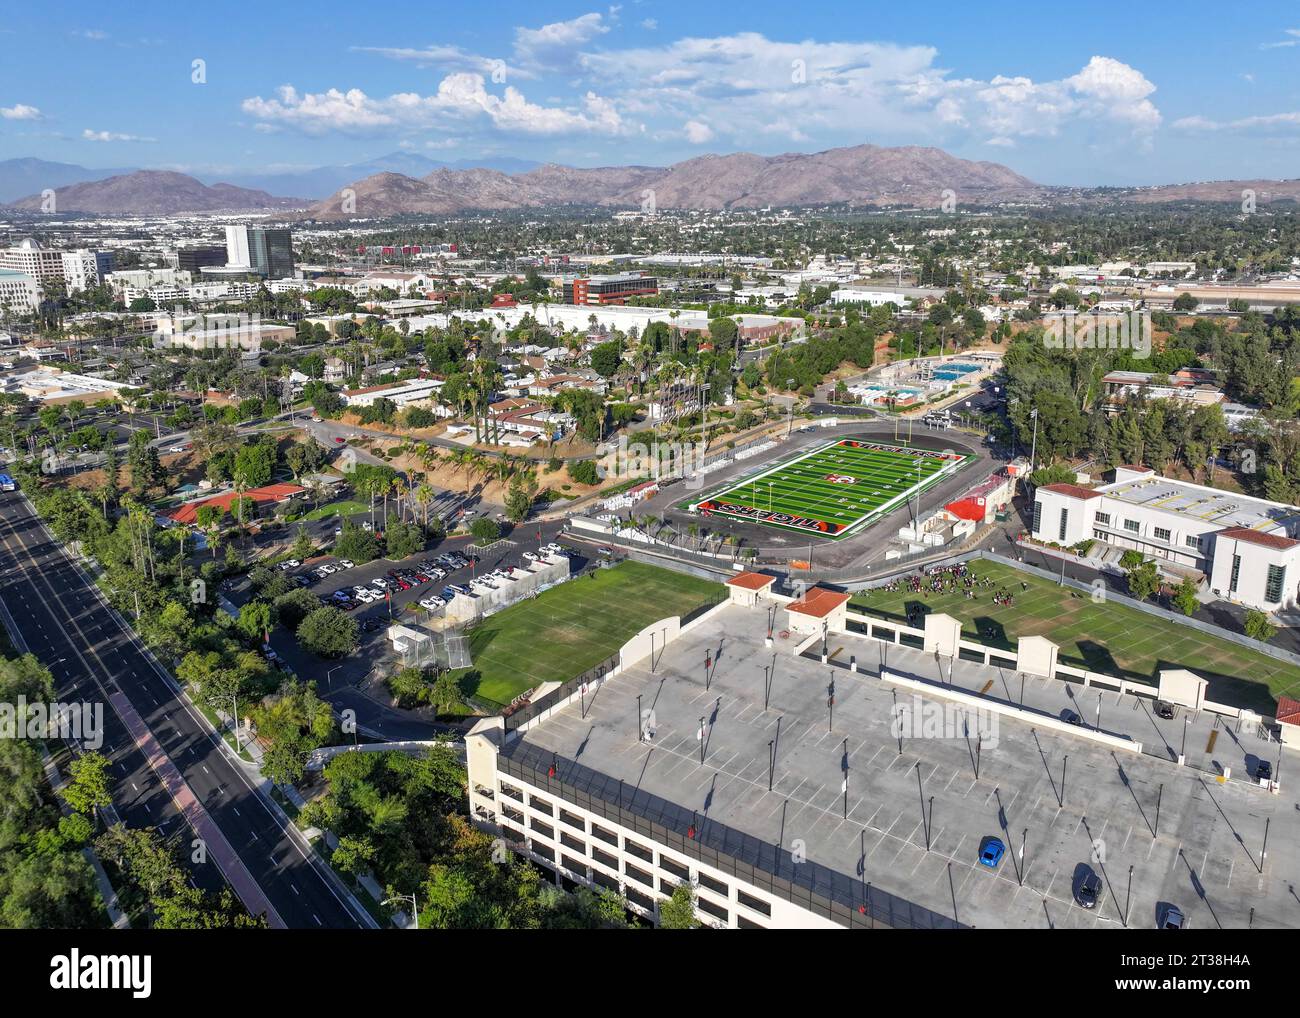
1110	637
576	625
835	490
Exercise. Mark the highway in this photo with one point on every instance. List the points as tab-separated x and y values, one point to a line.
172	774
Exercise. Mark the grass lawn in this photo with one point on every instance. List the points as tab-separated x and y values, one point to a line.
335	509
576	625
1110	637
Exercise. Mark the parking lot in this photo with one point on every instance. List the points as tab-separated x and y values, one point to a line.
747	737
375	615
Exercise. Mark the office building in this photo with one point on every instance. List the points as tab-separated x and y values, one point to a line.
19	292
266	251
616	289
194	259
32	259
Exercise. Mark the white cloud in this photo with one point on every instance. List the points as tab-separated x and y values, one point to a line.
1260	124
19	111
450	58
697	133
837	92
1284	43
461	98
89	135
649	24
93	34
558	44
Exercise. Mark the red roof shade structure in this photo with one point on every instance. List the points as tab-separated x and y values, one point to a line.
751	581
818	602
188	513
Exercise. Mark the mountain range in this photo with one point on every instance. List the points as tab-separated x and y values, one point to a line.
409	183
27	176
861	175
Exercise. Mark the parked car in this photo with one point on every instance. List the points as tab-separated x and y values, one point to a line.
1264	771
1173	919
1164	709
991	853
344	563
1071	717
1088	891
289	563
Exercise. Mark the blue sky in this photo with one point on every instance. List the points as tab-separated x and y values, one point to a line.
1074	94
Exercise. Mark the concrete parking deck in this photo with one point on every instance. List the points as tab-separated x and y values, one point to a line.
919	804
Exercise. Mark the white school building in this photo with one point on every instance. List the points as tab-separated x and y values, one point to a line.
1246	547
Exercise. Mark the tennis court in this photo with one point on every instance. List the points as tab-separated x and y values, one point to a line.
834	490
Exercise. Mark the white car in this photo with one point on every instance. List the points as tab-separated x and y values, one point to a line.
289	563
531	556
432	603
380	583
344	564
328	568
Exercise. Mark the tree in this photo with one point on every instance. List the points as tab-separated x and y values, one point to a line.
1143	580
88	785
1259	626
328	632
519	497
1185	302
606	357
584	472
302	544
296	605
403	539
485	530
356	544
1185	596
678	912
445	694
255	619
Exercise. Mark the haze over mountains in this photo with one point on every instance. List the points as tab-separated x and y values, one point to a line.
409	183
20	178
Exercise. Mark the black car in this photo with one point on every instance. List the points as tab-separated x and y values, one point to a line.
1088	891
1165	710
1070	717
1264	771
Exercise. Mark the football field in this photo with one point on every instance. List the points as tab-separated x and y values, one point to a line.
834	490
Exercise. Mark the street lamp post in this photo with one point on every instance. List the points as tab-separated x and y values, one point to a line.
415	910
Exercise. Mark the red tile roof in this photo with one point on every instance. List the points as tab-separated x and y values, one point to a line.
1073	490
751	581
818	602
188	513
1278	541
1288	710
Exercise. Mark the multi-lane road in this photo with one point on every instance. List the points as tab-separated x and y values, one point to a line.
168	767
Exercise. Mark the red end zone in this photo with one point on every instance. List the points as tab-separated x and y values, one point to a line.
749	512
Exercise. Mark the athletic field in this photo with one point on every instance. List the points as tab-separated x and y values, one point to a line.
1109	637
571	627
834	490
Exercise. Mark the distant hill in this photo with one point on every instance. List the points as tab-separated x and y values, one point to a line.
20	177
861	175
320	181
156	192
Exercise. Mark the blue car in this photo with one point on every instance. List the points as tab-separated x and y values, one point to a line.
448	593
991	853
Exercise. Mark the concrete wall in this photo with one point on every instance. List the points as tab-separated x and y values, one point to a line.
1013	711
